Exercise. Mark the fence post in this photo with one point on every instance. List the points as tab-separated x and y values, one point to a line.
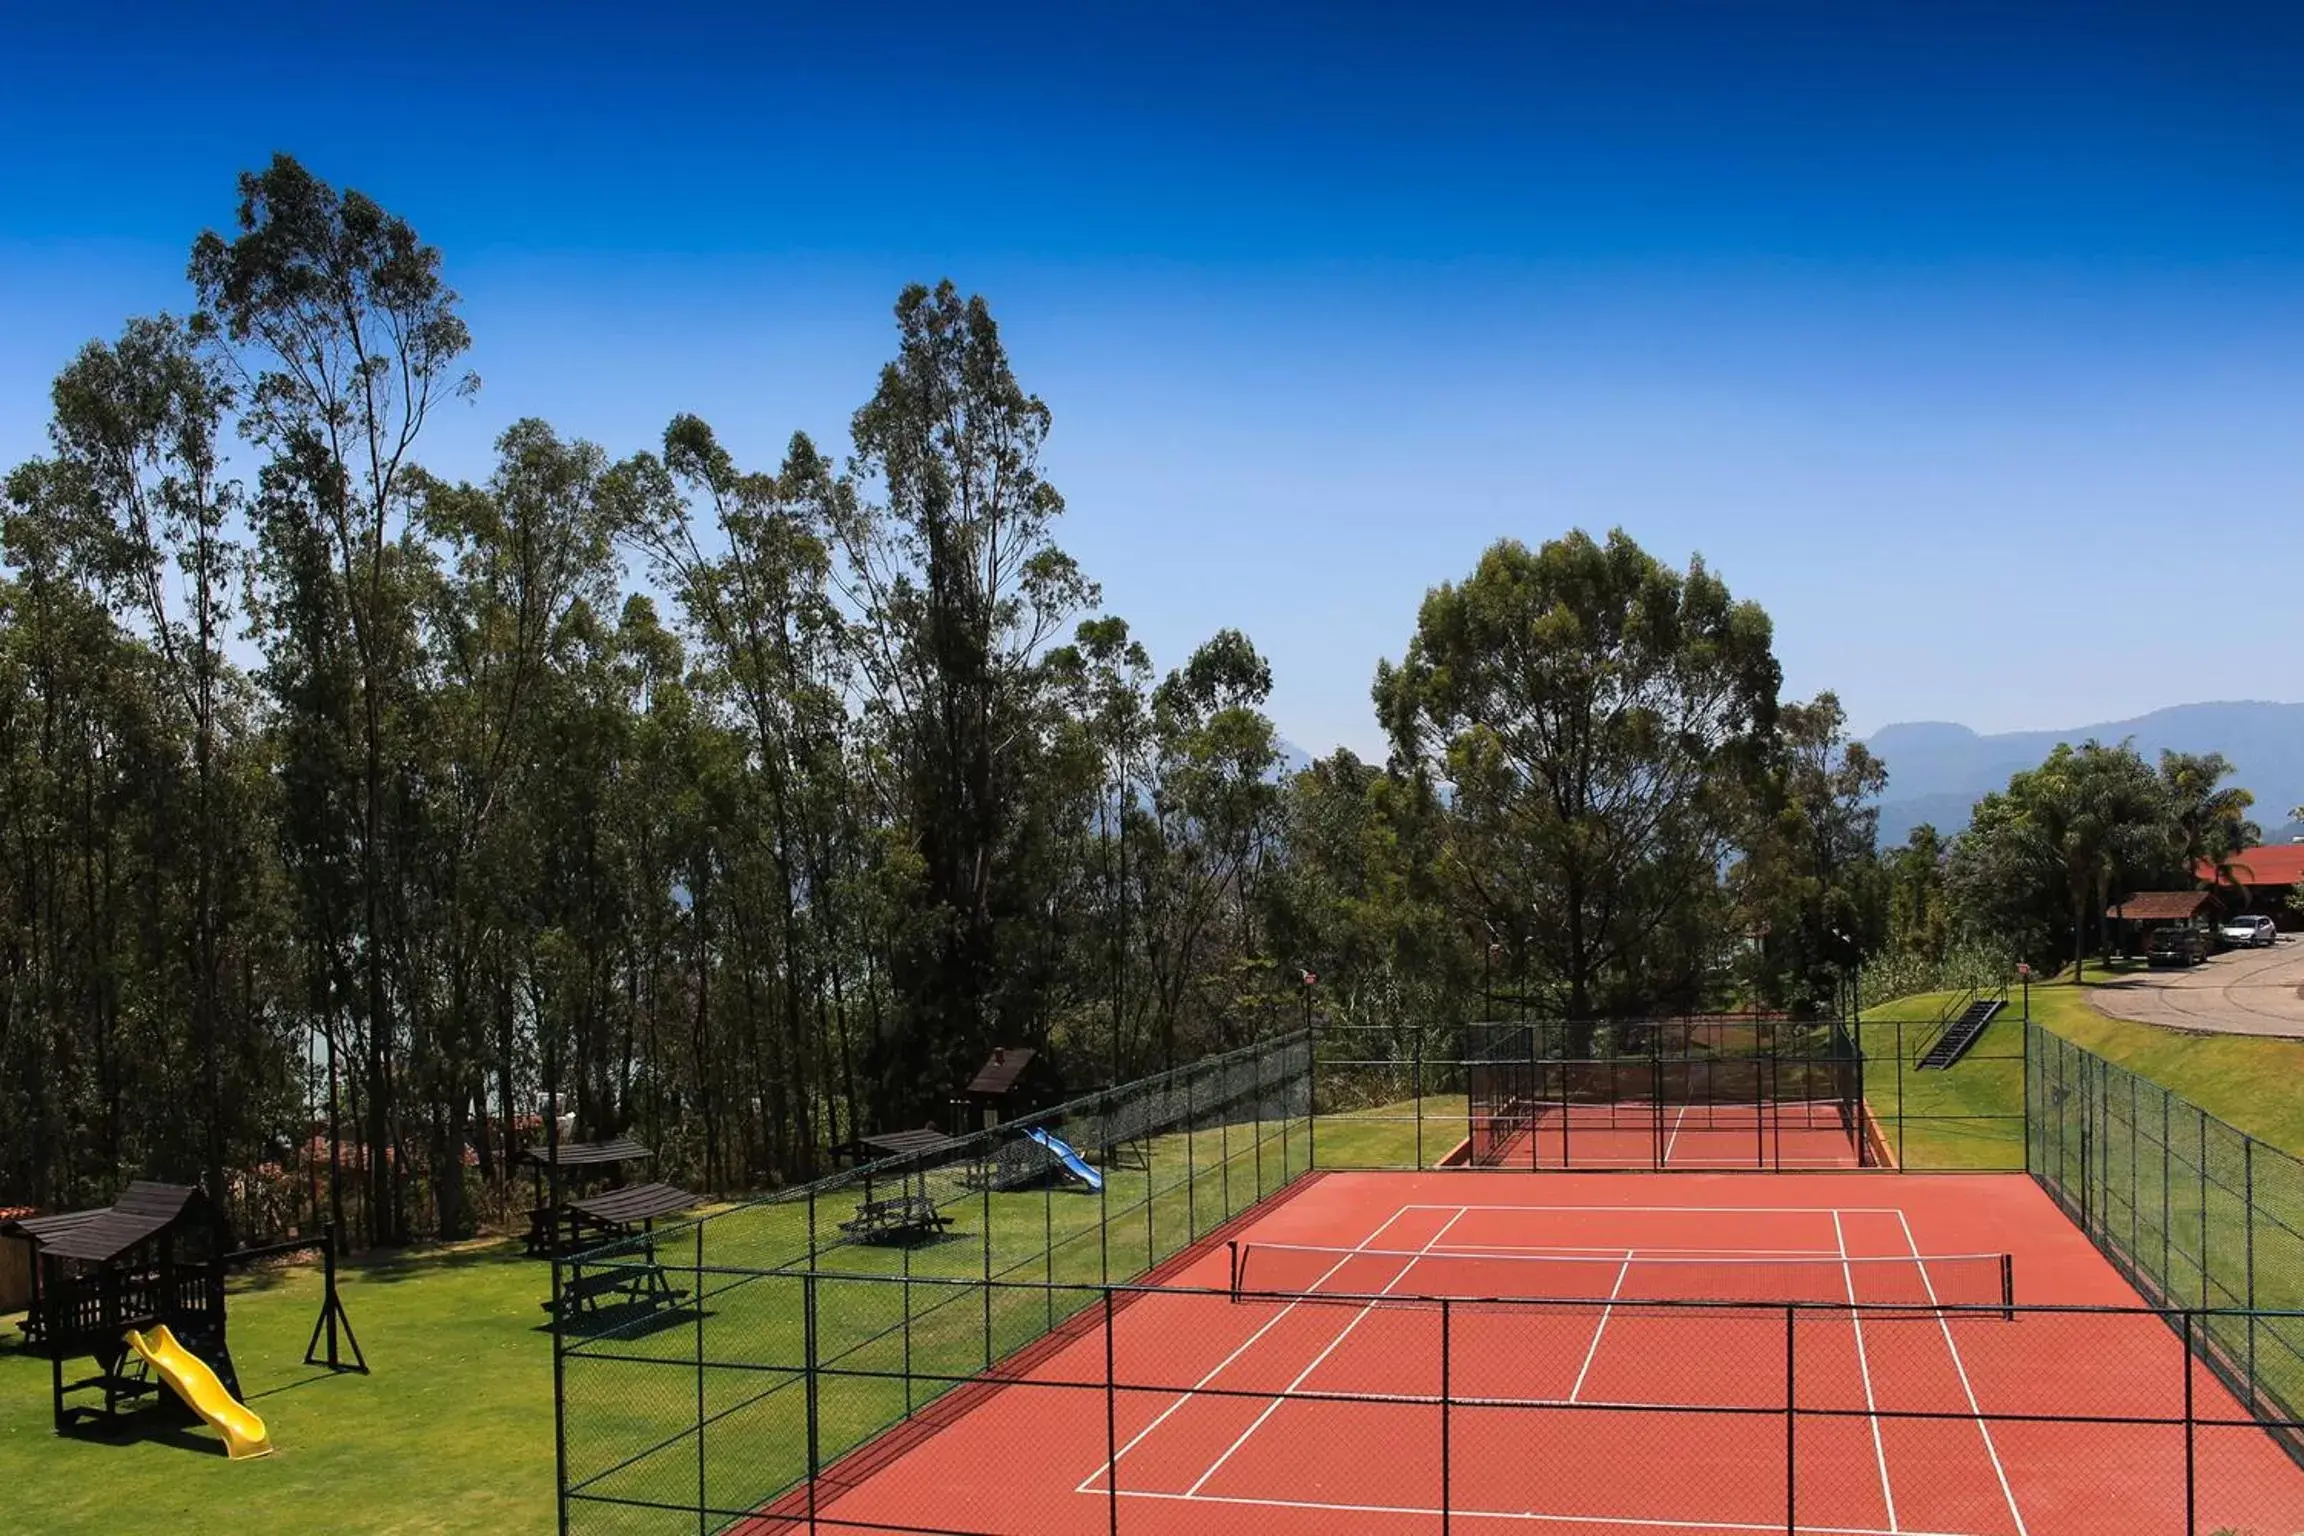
1191	1177
2135	1162
1901	1161
986	1166
1446	1490
2200	1119
1048	1242
1111	1425
1416	1058
2191	1501
2248	1227
2167	1226
1791	1422
559	1375
1224	1136
2027	1069
702	1487
812	1351
1256	1108
1104	1193
1311	1087
905	1285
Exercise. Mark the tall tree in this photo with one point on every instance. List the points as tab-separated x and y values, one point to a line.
335	316
2208	819
1601	716
1809	878
946	526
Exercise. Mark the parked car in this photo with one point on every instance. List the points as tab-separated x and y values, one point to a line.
2255	932
2176	946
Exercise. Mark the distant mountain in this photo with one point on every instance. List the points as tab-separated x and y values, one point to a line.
1937	770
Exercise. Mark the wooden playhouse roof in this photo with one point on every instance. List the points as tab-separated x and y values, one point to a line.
1000	1070
143	1210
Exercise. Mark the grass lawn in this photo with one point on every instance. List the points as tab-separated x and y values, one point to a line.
452	1432
2248	1081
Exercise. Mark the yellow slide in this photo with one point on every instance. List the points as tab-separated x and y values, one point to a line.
194	1382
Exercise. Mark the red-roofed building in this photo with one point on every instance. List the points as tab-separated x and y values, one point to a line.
2269	874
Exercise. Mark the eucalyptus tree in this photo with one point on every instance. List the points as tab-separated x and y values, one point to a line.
761	606
1215	812
956	587
143	514
1105	675
345	339
523	553
1603	717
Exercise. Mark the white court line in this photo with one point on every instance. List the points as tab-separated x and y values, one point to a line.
1677	1121
1864	1365
1270	1323
1962	1367
1611	1250
1358	1318
1601	1327
1637	1522
1689	1210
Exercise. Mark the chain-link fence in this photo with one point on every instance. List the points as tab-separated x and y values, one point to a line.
2193	1211
690	1378
1717	1091
1167	1409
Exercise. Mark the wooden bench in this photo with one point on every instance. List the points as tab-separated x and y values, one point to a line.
896	1216
622	1287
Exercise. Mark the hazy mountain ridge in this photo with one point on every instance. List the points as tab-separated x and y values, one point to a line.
1937	770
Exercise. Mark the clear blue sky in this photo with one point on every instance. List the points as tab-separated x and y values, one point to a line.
1968	338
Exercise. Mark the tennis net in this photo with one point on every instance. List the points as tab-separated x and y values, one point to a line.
1285	1271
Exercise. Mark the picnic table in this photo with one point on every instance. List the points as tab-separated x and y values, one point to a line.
616	1287
905	1215
910	1212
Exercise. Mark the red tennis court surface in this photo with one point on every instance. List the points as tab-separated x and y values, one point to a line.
1630	1135
1608	1419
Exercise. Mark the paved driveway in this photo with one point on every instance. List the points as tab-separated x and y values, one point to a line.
2240	992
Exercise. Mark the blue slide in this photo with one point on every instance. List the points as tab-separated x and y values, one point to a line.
1073	1162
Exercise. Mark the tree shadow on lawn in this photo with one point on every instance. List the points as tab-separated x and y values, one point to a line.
382	1267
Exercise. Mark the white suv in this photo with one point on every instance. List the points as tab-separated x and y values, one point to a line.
2248	933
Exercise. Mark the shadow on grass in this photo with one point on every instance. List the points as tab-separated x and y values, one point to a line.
385	1267
602	1325
166	1424
319	1373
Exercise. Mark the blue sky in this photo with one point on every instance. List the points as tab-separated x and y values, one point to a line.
1964	337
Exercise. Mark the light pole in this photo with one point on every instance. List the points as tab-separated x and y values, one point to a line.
2024	975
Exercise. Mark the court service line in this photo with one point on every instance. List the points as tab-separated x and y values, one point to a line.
1601	1327
1611	1250
1214	1371
1864	1366
1961	1366
1688	1210
1637	1522
1358	1318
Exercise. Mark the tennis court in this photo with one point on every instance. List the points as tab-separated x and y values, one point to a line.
1594	1353
1655	1134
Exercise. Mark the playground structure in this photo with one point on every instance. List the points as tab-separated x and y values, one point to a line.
138	1287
